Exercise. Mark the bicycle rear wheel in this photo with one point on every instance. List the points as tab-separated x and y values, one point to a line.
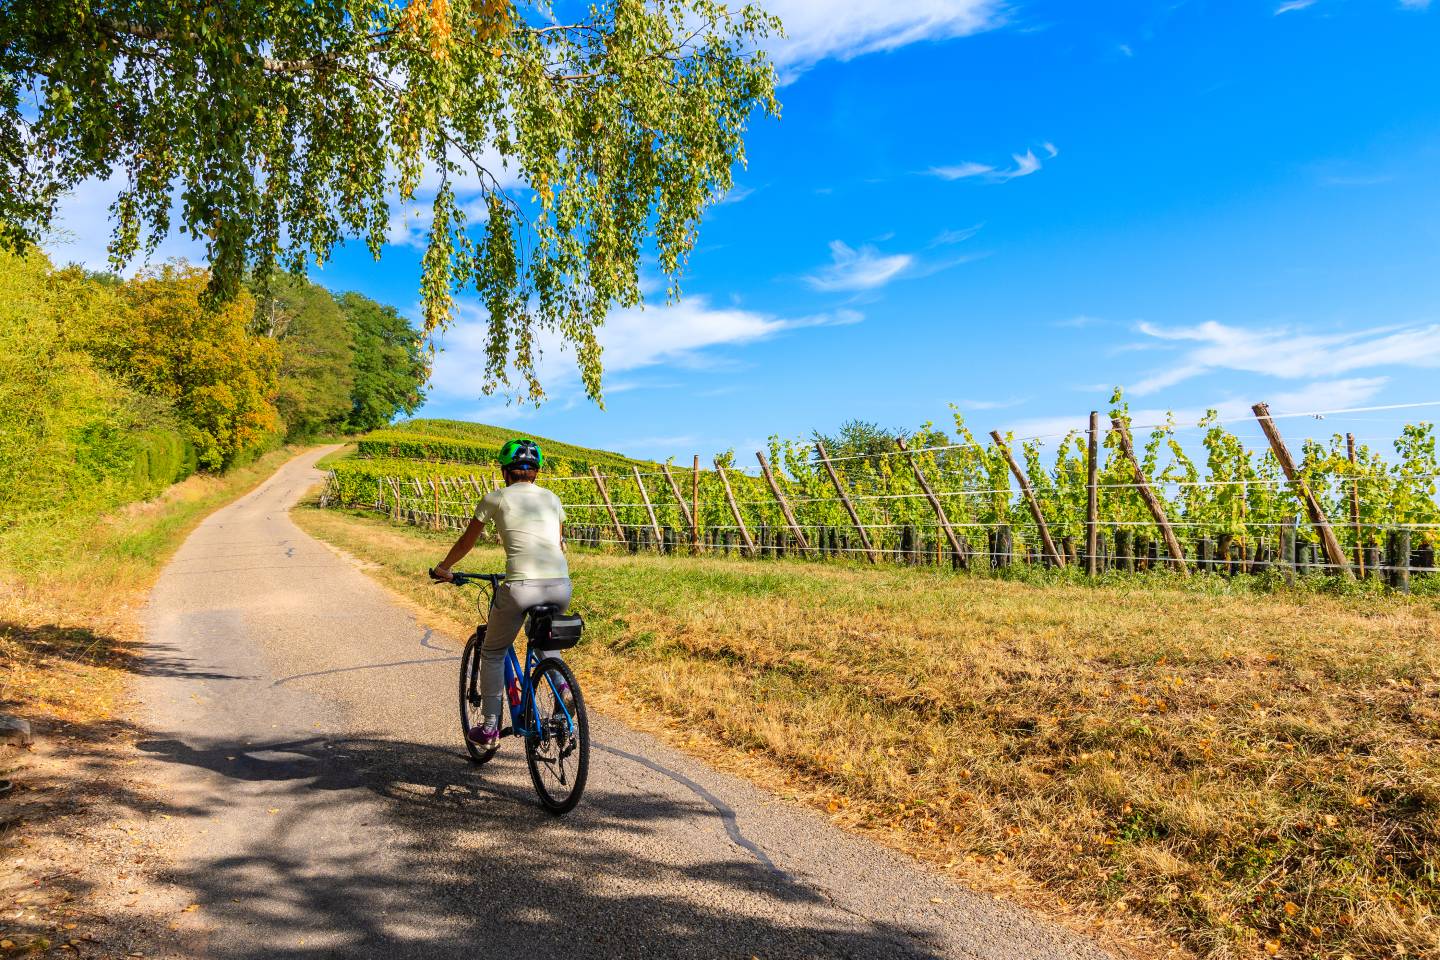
471	707
559	751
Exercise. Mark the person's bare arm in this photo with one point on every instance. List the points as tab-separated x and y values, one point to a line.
464	545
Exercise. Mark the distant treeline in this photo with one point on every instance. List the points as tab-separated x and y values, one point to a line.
111	389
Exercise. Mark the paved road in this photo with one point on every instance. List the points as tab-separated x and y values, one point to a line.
305	733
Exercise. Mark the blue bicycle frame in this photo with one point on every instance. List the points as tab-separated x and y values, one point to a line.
513	676
519	711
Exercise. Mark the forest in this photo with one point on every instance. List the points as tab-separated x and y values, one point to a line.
113	388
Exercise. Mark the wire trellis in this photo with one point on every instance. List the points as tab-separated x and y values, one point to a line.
876	511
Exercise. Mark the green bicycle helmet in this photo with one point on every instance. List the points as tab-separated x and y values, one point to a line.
521	452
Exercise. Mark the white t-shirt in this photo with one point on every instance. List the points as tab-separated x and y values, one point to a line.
527	519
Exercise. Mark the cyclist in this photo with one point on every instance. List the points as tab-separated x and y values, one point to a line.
528	520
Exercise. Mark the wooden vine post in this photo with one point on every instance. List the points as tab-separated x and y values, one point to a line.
695	505
609	507
395	510
1152	502
935	504
845	499
1355	506
675	489
649	509
735	509
1092	497
784	504
435	488
1030	500
1333	551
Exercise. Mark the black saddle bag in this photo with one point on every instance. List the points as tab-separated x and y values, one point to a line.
550	630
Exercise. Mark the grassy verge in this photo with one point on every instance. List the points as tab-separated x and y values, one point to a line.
344	453
1252	775
68	623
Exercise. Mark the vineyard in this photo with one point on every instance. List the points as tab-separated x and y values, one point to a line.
1182	499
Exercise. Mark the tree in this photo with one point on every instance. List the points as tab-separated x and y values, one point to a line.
317	347
74	439
287	125
390	365
203	359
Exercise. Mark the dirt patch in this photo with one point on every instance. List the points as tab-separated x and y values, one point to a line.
81	838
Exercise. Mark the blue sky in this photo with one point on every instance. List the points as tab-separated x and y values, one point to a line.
1014	207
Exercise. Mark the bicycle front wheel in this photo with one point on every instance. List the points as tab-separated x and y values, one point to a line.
558	747
471	706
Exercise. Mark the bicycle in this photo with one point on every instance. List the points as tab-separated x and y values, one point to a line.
556	732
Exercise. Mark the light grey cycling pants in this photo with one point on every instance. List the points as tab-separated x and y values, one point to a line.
507	614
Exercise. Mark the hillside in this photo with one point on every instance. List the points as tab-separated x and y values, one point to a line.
464	442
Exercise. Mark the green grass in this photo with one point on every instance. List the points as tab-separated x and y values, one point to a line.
328	462
1248	774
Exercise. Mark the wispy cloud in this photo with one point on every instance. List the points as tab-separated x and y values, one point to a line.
1320	395
1415	4
862	269
82	230
992	404
736	193
1287	352
681	335
1079	322
947	237
818	30
1022	165
1290	6
961	171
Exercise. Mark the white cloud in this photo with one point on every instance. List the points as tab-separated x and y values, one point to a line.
1024	164
961	171
992	404
736	193
863	269
1292	5
1320	395
83	228
678	334
1288	353
947	237
1415	4
818	30
1079	322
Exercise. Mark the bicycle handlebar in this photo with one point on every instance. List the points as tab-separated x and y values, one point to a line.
460	578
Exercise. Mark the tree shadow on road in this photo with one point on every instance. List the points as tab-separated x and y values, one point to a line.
384	848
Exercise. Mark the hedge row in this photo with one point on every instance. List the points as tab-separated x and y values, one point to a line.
163	457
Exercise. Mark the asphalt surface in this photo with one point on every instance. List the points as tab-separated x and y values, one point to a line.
306	736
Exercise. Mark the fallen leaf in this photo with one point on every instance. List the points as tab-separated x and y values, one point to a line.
1272	947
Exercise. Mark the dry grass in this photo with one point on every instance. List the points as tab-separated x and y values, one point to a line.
1251	775
69	628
